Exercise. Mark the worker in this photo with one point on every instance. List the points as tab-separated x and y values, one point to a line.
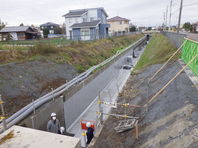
89	133
53	124
62	130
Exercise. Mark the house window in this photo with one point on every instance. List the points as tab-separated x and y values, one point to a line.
92	18
76	20
85	32
120	22
84	20
51	27
69	20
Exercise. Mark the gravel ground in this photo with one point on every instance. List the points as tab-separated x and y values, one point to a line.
20	83
170	121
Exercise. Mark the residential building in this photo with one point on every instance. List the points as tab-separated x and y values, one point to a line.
50	29
118	25
18	33
195	27
86	24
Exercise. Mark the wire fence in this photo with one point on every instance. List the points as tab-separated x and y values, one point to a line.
63	39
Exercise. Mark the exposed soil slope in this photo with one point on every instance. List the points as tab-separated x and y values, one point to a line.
171	120
22	82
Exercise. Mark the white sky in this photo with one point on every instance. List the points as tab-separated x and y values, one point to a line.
140	12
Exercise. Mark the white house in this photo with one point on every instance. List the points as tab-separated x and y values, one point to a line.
86	24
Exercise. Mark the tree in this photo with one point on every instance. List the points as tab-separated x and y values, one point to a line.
2	24
45	32
132	29
21	24
187	26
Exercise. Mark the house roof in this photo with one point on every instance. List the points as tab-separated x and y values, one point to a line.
117	18
196	23
75	13
49	24
85	24
15	29
80	12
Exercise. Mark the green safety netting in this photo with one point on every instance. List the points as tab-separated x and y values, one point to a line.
190	49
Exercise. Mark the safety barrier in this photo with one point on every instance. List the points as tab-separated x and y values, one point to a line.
190	49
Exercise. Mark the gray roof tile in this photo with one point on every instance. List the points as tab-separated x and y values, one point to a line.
85	24
75	13
15	29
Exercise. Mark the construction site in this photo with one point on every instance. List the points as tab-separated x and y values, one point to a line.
153	103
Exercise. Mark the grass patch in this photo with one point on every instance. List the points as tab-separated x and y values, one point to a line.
82	54
56	41
157	51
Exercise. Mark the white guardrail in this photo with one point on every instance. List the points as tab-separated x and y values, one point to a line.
25	111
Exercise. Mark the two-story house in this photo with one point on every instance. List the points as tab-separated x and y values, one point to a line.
118	25
49	28
86	24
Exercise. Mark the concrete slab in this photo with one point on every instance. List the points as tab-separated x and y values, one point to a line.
190	74
20	137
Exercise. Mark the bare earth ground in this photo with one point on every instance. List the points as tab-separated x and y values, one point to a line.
171	120
20	83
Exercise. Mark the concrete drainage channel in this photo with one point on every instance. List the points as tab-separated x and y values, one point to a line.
27	116
114	79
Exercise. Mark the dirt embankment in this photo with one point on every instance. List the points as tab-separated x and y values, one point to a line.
171	120
20	83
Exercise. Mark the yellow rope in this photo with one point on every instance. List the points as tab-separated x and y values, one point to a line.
191	40
162	89
167	61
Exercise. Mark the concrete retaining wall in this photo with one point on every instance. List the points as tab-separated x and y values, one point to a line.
39	119
176	39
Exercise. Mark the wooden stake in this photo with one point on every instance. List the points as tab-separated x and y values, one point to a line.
162	89
166	62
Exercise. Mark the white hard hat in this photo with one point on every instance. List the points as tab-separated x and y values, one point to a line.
88	124
53	114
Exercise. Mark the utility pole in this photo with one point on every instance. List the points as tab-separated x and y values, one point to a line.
180	13
166	16
171	3
164	20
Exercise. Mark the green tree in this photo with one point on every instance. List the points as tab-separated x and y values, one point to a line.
45	32
2	24
132	29
187	26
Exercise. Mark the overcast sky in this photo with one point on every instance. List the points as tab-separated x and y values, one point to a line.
140	12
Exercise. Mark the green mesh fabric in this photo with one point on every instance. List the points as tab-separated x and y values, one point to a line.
190	49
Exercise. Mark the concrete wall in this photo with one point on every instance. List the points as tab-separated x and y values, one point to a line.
39	119
175	38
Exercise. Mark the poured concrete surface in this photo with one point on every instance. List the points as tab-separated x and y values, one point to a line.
21	137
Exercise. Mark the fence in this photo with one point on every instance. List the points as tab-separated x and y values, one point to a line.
190	49
96	36
176	39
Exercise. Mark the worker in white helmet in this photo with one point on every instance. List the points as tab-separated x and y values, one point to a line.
53	124
89	133
62	130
